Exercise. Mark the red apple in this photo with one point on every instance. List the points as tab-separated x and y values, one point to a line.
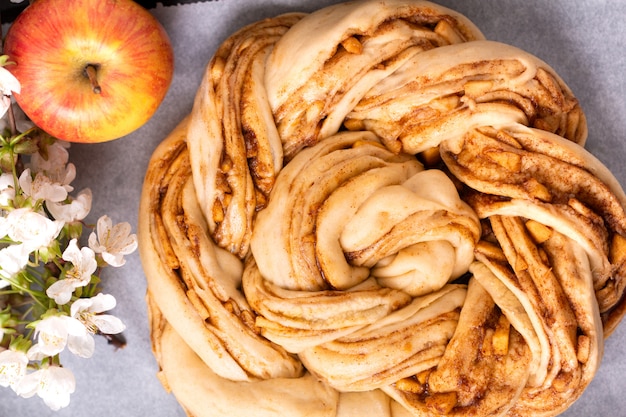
90	70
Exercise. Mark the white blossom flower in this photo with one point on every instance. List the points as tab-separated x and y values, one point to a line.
84	264
13	259
77	209
33	230
54	333
87	310
34	211
113	242
13	364
83	259
41	187
53	384
55	163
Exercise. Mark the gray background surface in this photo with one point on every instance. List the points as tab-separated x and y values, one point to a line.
584	42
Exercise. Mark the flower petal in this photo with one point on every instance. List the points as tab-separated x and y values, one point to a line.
13	259
81	345
102	302
72	252
5	102
52	334
80	305
61	291
103	228
12	367
109	324
94	244
35	353
7	190
27	387
114	259
25	181
8	83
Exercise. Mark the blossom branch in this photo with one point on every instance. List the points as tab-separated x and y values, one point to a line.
50	292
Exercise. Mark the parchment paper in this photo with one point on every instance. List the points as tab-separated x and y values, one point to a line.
584	42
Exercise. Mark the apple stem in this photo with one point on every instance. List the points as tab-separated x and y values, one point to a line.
90	72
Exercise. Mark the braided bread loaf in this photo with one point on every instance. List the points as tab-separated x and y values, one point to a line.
402	221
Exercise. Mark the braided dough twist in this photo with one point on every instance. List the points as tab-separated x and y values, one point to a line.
402	221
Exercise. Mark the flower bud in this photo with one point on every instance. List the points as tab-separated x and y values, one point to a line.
7	160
